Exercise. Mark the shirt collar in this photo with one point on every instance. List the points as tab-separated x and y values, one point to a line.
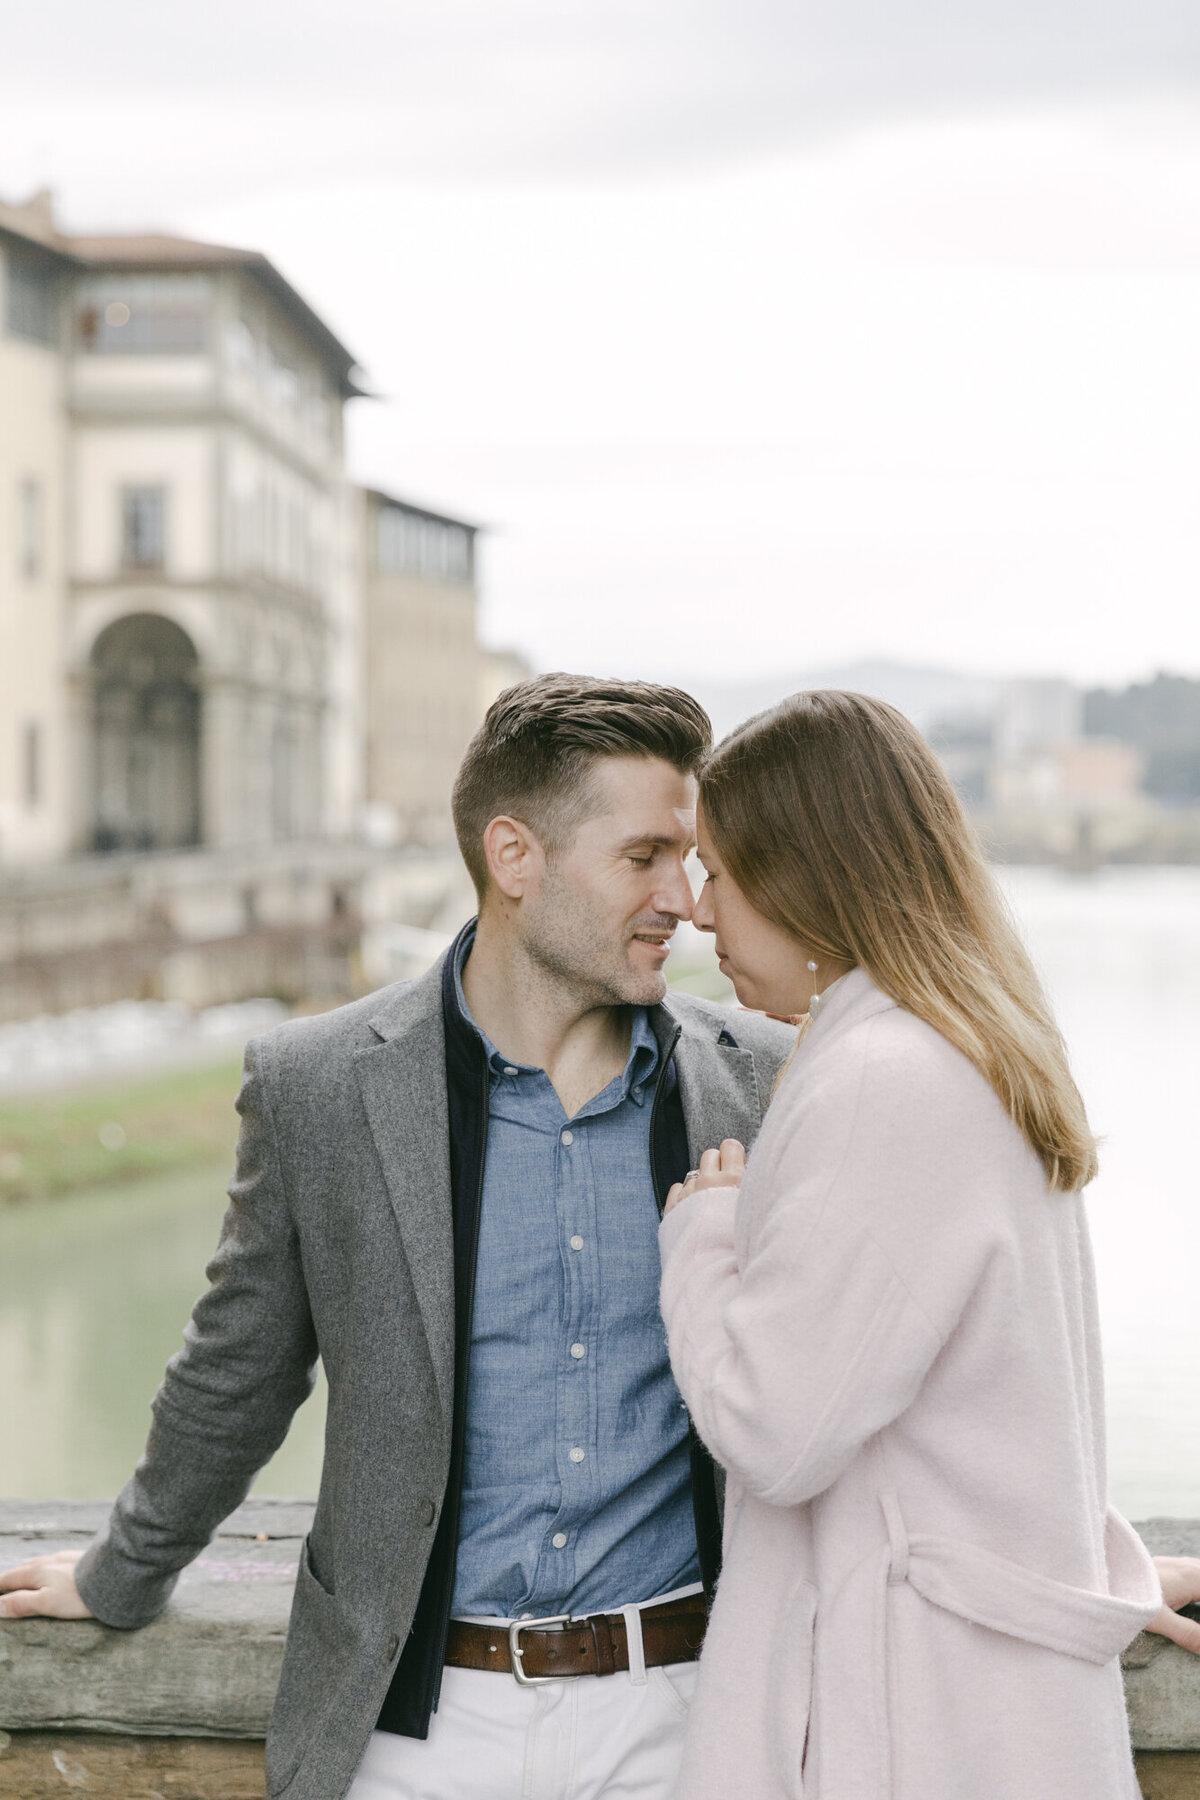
640	1064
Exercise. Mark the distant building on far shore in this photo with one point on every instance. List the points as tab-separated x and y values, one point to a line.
1086	776
209	637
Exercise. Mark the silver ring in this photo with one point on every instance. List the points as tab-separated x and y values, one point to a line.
692	1175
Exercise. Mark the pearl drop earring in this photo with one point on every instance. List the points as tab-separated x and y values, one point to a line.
814	1000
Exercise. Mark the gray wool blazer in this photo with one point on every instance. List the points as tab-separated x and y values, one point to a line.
337	1243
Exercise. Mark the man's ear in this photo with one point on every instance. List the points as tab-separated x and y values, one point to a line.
514	856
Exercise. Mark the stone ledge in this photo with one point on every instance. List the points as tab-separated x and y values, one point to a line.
1162	1682
209	1666
1162	1776
47	1765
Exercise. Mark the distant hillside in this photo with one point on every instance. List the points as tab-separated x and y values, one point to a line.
924	695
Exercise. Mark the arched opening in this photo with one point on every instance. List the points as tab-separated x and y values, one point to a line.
145	736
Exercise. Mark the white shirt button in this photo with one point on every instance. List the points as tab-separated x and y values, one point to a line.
577	1455
577	1242
508	1069
568	1137
559	1540
578	1351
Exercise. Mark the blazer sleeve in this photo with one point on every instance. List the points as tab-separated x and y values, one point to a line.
227	1398
791	1355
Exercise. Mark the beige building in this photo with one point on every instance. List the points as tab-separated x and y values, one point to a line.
422	698
208	636
34	786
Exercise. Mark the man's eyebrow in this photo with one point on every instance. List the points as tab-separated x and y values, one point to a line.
666	840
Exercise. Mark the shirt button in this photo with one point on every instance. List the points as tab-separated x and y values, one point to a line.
578	1351
508	1069
393	1648
428	1513
559	1540
577	1455
577	1242
568	1137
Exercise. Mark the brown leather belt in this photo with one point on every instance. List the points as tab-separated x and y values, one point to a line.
548	1649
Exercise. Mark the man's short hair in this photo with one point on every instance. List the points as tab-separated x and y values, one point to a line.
532	758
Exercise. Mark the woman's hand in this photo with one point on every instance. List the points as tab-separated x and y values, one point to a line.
718	1168
1180	1577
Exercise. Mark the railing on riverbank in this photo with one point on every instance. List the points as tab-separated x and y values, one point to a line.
180	1708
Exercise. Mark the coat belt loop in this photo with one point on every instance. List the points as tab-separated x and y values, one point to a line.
897	1538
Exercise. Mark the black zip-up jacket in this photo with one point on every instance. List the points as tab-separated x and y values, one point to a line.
413	1694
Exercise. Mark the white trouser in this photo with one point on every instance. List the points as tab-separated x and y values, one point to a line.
586	1737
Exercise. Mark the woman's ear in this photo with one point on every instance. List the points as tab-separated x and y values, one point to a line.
513	856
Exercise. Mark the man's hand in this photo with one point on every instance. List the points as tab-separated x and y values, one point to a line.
44	1585
718	1168
1180	1577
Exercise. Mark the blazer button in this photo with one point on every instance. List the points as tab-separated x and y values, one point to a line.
428	1513
393	1648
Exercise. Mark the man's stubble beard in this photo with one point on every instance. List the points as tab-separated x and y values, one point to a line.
574	950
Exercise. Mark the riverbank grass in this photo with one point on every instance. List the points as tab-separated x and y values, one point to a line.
115	1135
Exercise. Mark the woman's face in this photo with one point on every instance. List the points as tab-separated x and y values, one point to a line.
766	965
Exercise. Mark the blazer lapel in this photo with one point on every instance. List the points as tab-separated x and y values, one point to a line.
403	1084
718	1086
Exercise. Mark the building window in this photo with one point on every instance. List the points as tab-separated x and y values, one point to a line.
283	383
413	543
29	529
143	523
31	763
144	315
241	350
31	297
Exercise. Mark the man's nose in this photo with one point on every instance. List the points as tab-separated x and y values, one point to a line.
675	896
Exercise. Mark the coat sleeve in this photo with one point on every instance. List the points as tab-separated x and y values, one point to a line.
227	1398
793	1353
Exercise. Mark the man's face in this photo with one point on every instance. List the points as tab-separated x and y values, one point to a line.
600	915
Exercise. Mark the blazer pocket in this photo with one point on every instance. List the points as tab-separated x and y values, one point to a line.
789	1690
318	1659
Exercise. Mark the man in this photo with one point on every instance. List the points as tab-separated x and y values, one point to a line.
450	1191
462	1177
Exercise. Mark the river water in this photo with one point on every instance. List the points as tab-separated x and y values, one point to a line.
93	1290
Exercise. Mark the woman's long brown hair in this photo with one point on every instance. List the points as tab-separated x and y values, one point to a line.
839	825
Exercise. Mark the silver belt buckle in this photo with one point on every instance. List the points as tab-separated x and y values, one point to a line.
516	1652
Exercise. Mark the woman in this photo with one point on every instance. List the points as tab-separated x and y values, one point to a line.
889	1337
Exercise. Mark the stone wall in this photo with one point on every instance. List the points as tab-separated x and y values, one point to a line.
178	1710
204	927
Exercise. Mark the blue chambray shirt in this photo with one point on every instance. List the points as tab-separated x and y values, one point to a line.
577	1485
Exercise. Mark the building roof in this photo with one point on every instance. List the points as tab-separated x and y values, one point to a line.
34	223
422	512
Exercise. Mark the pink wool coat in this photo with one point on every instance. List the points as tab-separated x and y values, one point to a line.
889	1339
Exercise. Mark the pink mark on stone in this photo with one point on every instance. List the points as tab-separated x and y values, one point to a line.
245	1568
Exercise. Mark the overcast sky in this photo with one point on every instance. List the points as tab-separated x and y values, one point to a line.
765	334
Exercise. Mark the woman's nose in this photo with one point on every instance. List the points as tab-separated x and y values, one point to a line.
702	912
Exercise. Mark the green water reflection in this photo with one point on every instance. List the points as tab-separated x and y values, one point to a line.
94	1293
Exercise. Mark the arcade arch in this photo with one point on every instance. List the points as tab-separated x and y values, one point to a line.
145	736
